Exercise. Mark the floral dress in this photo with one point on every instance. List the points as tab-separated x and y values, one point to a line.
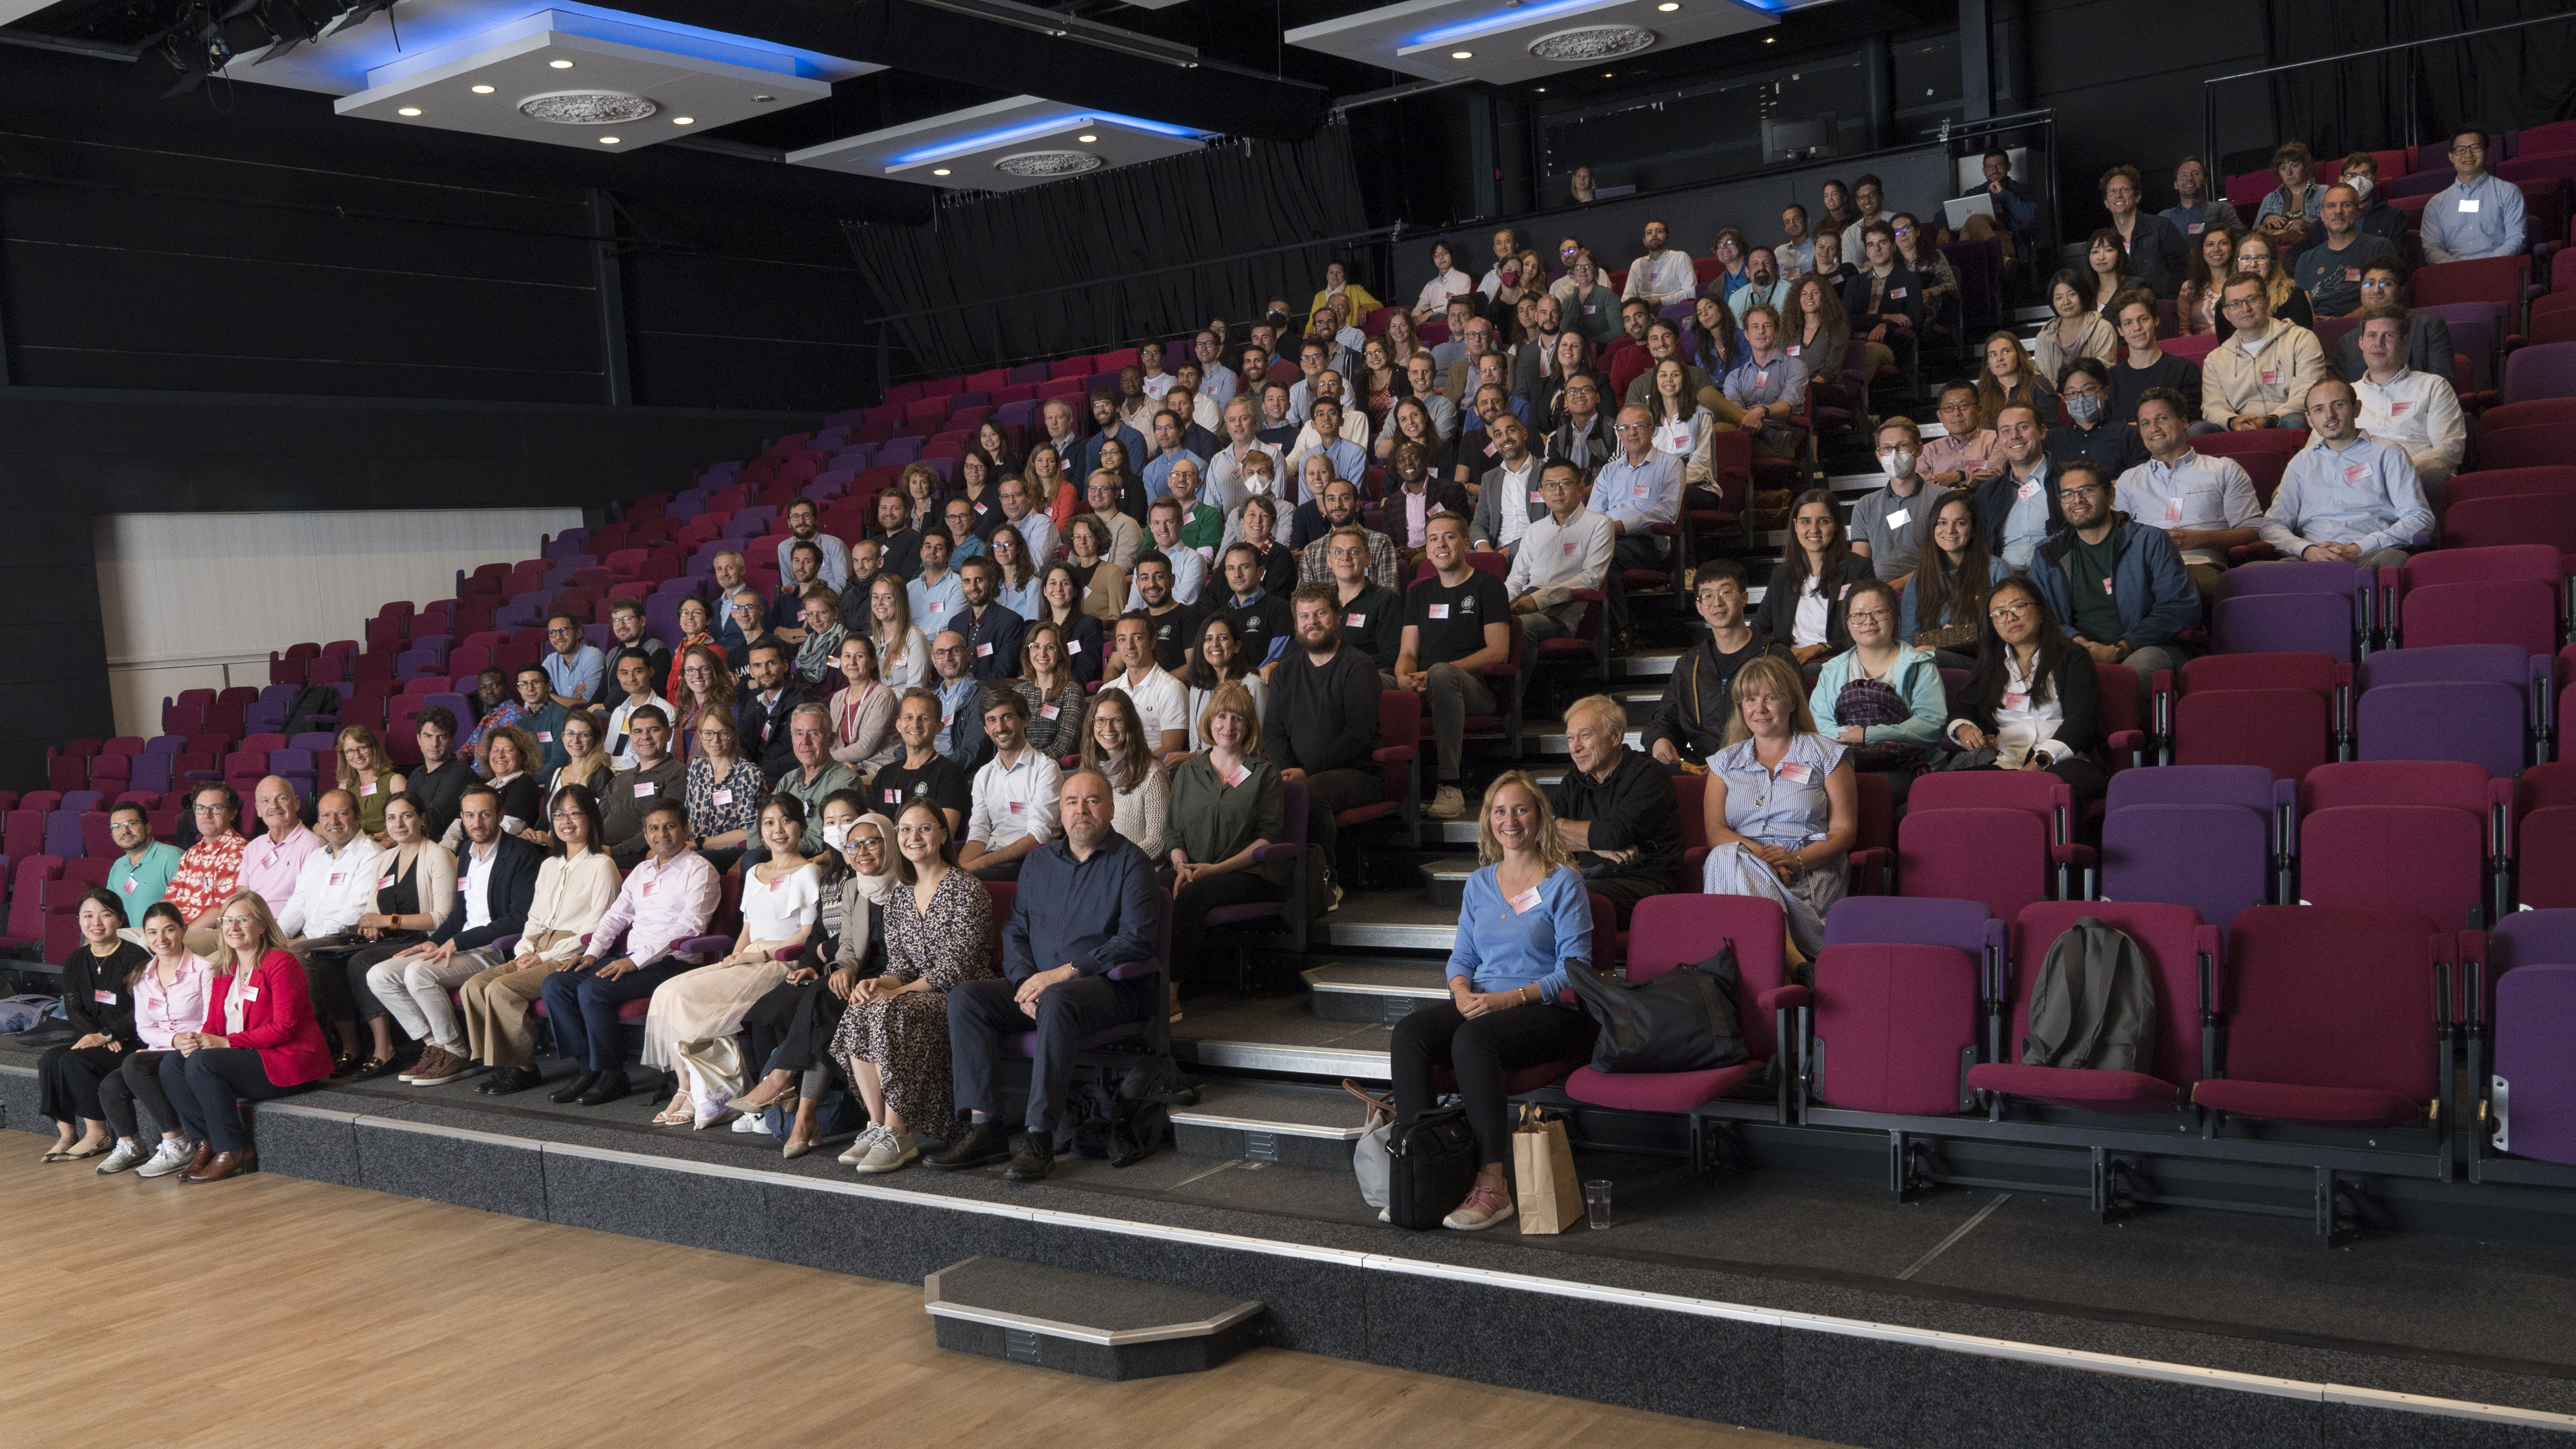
907	1035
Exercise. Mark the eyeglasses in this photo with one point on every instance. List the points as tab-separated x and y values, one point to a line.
2081	490
2247	303
2002	613
205	809
2475	150
1869	616
1628	427
559	633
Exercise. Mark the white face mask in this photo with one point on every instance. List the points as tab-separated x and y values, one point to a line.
1256	483
2362	184
1896	464
836	836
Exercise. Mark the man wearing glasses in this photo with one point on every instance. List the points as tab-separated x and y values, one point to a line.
143	867
204	880
1635	491
2118	584
575	670
2477	215
2257	377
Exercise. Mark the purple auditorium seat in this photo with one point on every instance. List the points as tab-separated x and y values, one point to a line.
2528	674
1673	930
2278	623
2185	956
2326	1016
2547	370
77	801
152	773
2534	1108
1916	921
2203	836
1894	1029
1155	1030
63	835
2479	721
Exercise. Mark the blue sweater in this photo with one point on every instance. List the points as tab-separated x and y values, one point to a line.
1500	951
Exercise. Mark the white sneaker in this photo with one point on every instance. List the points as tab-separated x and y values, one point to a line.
859	1149
1447	804
168	1158
887	1152
128	1152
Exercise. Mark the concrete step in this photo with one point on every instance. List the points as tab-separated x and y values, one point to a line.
1389	921
1293	1125
1444	881
1279	1036
1085	1323
1645	664
1555	744
1382	990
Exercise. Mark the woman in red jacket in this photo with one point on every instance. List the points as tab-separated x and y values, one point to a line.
260	1041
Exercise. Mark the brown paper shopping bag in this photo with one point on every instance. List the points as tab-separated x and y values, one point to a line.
1551	1198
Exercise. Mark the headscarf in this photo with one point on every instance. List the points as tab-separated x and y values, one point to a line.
862	891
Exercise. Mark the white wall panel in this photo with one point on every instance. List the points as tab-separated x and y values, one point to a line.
197	600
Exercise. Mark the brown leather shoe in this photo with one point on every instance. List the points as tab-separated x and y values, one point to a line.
205	1156
226	1164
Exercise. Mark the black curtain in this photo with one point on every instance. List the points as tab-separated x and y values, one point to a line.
2501	82
1095	235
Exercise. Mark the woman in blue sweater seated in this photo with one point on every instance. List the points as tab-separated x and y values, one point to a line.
1526	921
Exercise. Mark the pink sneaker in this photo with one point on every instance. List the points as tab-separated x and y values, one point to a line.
1483	1208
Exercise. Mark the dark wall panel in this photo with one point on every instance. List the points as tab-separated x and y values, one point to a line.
2136	99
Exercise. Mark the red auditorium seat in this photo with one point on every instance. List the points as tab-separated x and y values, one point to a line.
2327	1019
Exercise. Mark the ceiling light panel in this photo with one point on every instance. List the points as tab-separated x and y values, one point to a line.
1506	44
1023	141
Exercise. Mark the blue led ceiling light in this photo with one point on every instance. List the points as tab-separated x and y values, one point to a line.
377	52
1512	19
969	144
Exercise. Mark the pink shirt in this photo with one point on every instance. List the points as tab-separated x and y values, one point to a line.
160	1012
269	867
1954	455
658	907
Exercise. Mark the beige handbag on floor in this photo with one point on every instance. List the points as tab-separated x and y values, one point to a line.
1551	1197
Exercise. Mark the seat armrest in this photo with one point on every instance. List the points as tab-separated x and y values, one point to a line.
506	946
1781	997
703	945
2083	855
1281	850
1393	754
1150	966
2132	741
2252	553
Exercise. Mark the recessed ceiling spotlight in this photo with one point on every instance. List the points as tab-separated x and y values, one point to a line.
482	90
684	120
939	171
1607	74
1768	39
408	111
1542	90
1669	6
608	140
1086	140
560	64
764	100
1462	55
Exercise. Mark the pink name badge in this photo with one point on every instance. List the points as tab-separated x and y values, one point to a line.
2352	472
2014	700
983	651
1355	621
1569	548
367	789
1898	295
103	998
1019	807
648	887
1535	496
1049	711
2106	586
894	797
722	797
130	884
1793	351
643	792
2398	409
1072	646
1439	611
2352	274
250	993
780	881
1525	901
1797	773
2028	491
2173	510
1241	772
2271	376
335	877
1762	378
2196	228
384	882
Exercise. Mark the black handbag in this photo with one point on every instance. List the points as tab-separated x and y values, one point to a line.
1681	1021
1431	1163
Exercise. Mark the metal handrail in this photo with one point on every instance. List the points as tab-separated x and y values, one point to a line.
2412	48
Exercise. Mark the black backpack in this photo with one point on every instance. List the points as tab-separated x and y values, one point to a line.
2094	1004
1681	1021
1126	1124
310	701
1430	1165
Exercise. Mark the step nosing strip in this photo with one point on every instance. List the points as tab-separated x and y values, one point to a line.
1261	1124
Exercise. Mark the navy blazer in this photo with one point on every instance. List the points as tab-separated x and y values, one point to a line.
510	893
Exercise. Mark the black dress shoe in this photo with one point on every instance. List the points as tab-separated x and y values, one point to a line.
1032	1157
610	1086
983	1145
505	1080
572	1090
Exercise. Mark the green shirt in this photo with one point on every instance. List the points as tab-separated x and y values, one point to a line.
2088	576
141	886
1205	528
1212	821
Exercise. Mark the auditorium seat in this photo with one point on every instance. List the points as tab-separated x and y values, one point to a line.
2430	836
2487	703
1893	1030
1956	840
2205	836
2293	607
1670	931
2185	956
2544	826
2286	712
2336	1017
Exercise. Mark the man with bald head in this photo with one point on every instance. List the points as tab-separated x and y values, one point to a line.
336	884
273	861
1087	905
961	719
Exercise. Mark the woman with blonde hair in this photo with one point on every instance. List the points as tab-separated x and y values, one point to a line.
586	763
367	775
259	1040
1227	807
1782	805
903	651
1524	925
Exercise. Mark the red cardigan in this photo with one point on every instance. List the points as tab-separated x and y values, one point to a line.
279	1024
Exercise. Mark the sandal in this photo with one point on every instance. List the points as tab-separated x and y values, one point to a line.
677	1114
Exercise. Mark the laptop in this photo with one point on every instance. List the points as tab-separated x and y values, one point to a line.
1981	204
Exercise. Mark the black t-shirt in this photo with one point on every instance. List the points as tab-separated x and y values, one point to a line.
941	781
1452	621
1174	633
1258	624
1371	623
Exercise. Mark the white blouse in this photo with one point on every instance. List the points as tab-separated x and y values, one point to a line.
774	910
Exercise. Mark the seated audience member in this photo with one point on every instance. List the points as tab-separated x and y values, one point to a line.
1615	808
1510	499
2147	366
1263	625
1883	302
753	627
1035	529
410	890
1159	700
2290	209
666	900
763	713
1525	923
2330	270
1626	358
2107	272
1104	583
1966	454
2415	411
586	762
141	870
1060	594
98	1006
1766	283
2196	209
789	1030
1769	386
898	533
1087	904
1943	602
812	666
2378	218
891	1039
2205	505
862	711
1216	660
2119	584
1881	699
2428	338
1185	568
1679	425
1370	611
1277	428
2019	504
936	592
657	775
1663	344
1803	602
635	676
1663	274
966	529
1826	263
272	860
1227	804
903	649
1888	525
1015	581
2346	496
1323	716
361	767
1566	552
574	887
492	694
2156	250
695	1009
1117	747
1690	719
802	518
1815	332
2213	260
1169	452
2259	256
441	776
1340	509
2034	698
2076	331
1108	429
2478	215
724	795
1633	493
922	773
991	632
813	778
1174	622
1591	308
1223	473
169	997
1012	804
1782	806
729	575
336	883
535	713
258	1042
1413	497
576	672
1347	454
627	630
1447	285
1479	450
2011	377
2094	436
1424	418
496	882
509	753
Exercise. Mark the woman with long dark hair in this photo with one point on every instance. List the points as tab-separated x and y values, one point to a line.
1802	606
98	1002
1943	608
2033	699
2197	304
1060	596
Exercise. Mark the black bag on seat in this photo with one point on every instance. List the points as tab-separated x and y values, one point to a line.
1431	1163
1681	1021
